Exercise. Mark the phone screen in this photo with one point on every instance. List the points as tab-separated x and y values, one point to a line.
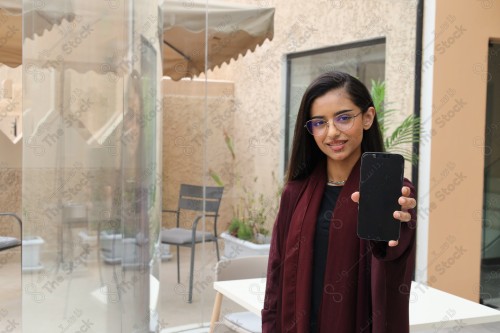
379	189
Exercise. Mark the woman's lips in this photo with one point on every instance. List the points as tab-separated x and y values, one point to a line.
337	145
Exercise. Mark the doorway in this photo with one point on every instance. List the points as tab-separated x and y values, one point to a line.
490	261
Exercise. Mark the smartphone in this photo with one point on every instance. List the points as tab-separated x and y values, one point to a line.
379	190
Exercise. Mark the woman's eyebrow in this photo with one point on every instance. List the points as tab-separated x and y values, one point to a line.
341	112
338	113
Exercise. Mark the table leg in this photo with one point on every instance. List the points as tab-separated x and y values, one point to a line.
215	311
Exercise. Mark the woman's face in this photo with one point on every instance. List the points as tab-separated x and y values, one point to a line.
341	145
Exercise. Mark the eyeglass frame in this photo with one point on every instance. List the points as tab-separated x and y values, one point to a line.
327	122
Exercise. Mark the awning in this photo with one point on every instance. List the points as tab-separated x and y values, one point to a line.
232	30
48	16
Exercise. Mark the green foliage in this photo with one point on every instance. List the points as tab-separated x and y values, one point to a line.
252	210
215	177
404	135
229	144
242	230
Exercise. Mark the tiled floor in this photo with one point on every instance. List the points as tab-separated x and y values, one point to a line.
175	313
10	290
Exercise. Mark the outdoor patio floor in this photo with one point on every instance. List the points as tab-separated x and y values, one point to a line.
176	315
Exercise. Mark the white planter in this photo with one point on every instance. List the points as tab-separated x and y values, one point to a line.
88	244
235	247
113	249
165	252
31	254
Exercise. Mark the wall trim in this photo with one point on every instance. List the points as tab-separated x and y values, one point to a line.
427	76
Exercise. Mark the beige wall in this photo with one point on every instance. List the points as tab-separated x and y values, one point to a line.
193	144
259	77
457	152
10	153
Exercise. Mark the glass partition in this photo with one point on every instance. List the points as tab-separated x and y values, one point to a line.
197	135
103	168
185	155
91	166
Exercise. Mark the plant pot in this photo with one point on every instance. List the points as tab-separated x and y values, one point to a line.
235	247
165	252
31	254
88	245
115	249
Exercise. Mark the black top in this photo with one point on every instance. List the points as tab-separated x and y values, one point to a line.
320	250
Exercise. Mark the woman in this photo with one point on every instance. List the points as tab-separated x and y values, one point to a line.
321	276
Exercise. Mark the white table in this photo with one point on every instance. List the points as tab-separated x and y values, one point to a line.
430	309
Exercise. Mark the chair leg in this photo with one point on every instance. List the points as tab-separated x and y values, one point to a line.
217	249
178	266
191	273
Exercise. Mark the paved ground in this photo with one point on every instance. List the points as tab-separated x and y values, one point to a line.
176	315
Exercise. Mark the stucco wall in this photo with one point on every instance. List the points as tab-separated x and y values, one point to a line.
10	153
196	117
457	153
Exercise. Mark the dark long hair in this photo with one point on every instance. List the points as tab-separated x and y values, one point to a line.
305	152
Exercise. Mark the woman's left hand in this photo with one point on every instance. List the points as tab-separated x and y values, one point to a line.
406	203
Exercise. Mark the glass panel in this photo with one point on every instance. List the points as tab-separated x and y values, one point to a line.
184	163
490	266
10	193
365	60
197	121
91	166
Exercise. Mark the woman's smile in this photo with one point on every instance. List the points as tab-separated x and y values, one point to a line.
336	145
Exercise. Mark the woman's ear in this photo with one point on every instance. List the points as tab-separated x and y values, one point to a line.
368	118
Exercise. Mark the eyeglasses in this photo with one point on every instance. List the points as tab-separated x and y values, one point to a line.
342	122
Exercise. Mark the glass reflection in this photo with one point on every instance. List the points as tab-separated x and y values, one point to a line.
90	174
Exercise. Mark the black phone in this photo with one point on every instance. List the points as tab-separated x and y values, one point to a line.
379	190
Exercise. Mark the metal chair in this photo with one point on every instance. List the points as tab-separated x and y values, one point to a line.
10	242
236	269
196	199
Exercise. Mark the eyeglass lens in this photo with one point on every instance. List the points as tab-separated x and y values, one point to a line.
342	122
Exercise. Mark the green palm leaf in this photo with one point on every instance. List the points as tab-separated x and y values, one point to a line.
404	135
229	144
215	177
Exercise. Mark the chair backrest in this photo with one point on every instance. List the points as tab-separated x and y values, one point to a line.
10	242
241	268
199	198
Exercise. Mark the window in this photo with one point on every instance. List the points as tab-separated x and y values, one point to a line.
364	60
490	289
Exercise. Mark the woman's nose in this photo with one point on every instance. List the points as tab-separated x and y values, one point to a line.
331	130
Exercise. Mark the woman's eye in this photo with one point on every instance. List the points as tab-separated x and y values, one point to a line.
318	123
343	118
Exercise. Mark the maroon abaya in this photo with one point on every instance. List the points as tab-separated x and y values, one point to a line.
366	283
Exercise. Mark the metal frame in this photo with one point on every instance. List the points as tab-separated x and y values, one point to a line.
203	199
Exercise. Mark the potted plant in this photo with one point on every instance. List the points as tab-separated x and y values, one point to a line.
404	134
120	238
247	234
31	253
31	248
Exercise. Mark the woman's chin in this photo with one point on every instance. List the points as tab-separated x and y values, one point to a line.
342	155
